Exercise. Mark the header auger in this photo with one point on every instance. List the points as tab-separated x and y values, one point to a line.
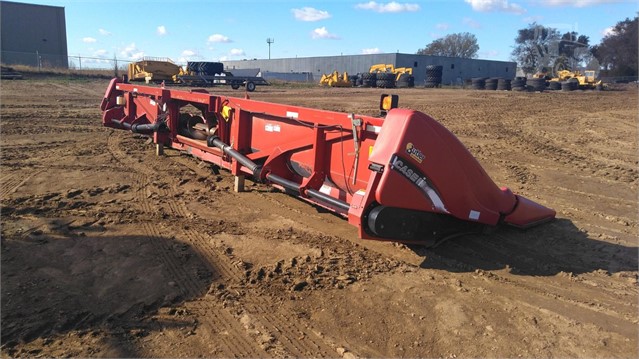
402	178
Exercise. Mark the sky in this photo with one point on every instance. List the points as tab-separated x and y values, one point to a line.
220	30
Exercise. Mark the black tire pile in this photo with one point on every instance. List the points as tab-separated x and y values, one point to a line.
491	84
385	80
433	76
518	84
368	79
554	85
405	80
570	85
203	68
536	84
503	84
355	80
478	83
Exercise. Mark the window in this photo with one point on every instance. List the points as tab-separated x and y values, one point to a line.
452	66
415	64
506	68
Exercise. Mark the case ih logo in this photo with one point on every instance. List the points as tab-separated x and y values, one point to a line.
415	153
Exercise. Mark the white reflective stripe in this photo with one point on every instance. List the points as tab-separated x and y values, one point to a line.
152	103
117	87
325	189
290	114
474	215
434	198
375	129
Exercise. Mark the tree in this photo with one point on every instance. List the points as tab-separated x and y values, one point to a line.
536	47
462	45
617	52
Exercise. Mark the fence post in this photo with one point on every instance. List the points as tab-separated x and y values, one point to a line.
80	61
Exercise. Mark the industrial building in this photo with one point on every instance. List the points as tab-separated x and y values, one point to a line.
455	70
33	35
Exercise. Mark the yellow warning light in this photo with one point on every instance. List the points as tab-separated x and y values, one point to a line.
387	102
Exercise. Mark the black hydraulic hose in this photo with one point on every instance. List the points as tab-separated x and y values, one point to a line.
313	193
283	182
328	199
214	141
141	128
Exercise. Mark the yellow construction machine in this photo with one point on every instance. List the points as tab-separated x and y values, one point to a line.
153	69
335	80
586	80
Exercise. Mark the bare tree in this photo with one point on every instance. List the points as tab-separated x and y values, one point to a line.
454	45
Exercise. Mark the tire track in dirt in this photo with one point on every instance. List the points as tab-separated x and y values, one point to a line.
214	319
11	183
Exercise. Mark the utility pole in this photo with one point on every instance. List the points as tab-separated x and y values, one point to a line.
269	41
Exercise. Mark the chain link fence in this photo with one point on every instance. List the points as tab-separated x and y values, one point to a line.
60	62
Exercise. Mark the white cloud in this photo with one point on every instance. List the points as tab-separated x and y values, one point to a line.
101	53
310	14
495	5
188	53
609	31
236	52
577	3
442	26
89	40
392	6
103	32
218	38
370	51
161	30
132	52
322	33
531	19
471	23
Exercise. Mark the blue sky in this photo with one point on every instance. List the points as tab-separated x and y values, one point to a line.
218	30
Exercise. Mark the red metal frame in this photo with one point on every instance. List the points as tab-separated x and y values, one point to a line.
331	152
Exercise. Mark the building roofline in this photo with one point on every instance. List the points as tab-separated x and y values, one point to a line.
28	4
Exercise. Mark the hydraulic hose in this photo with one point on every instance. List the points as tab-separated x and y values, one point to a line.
313	193
141	128
214	141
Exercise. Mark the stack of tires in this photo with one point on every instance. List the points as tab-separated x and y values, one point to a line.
491	84
554	85
204	68
536	84
570	85
385	80
478	83
406	80
518	84
503	84
354	79
368	79
433	76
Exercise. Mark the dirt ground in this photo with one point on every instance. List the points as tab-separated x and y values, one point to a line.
110	251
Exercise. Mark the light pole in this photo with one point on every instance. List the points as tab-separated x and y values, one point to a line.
269	41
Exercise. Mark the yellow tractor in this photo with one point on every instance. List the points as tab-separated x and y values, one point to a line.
586	80
335	80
